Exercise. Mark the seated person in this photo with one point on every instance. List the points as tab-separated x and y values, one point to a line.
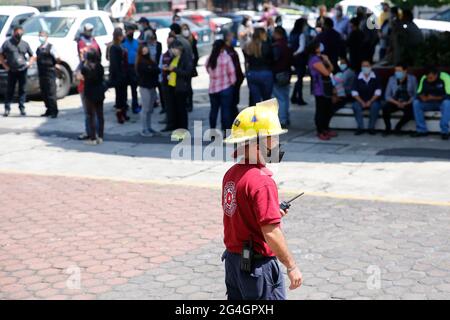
433	95
400	93
366	91
343	84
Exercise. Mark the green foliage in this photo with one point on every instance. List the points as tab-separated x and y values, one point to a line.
400	3
434	50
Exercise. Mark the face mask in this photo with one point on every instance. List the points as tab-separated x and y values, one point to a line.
18	36
130	36
399	75
339	13
186	33
42	40
366	70
322	48
343	66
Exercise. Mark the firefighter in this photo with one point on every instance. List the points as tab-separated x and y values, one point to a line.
252	235
47	59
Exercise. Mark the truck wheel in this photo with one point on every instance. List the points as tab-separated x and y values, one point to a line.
63	82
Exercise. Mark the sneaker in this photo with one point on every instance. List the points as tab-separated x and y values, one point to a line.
372	132
146	134
386	133
22	112
359	132
302	103
323	136
178	136
99	140
419	134
46	114
83	136
445	136
332	134
6	113
91	142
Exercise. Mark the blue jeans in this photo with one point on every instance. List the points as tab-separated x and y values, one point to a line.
265	282
222	100
260	84
282	95
421	107
87	120
375	108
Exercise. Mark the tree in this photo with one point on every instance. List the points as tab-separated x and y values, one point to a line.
400	3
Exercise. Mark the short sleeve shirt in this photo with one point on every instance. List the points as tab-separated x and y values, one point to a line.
317	84
16	54
249	201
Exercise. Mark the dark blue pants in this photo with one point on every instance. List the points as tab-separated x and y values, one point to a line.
14	77
222	100
265	282
260	84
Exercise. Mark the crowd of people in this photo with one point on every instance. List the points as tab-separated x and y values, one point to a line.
337	53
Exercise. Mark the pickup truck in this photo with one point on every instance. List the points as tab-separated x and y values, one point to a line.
64	27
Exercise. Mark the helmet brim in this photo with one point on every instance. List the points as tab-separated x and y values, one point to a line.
234	140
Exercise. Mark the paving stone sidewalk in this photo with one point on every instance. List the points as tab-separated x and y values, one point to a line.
154	241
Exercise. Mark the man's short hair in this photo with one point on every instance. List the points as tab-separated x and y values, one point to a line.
175	28
431	70
402	65
18	27
44	32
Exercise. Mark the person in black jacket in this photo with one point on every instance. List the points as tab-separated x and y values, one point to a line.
179	85
187	34
94	95
118	74
147	72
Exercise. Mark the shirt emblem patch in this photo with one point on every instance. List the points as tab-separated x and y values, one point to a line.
229	198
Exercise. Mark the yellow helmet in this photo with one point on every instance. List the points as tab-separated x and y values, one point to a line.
261	120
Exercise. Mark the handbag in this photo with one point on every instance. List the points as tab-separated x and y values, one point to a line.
283	78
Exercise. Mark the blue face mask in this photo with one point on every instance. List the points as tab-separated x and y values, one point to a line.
399	75
366	70
343	66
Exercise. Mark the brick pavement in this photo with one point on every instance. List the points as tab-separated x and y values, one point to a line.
130	241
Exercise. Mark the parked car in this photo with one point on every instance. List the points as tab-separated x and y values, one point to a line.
11	16
202	34
64	27
438	23
219	25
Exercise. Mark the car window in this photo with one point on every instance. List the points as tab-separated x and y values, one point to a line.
55	26
3	21
17	21
99	26
443	16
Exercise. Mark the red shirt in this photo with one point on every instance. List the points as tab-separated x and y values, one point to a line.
249	201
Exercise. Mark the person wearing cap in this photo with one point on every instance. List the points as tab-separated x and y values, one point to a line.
85	42
131	45
251	210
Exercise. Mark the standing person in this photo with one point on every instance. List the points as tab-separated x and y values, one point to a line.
323	13
282	56
366	92
259	59
144	25
370	33
222	77
147	72
180	73
47	59
299	40
334	46
85	43
118	70
164	62
399	95
94	95
245	31
14	54
341	22
252	214
155	50
354	44
433	95
229	39
187	34
175	30
131	45
321	69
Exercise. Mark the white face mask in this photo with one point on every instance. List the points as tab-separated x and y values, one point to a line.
42	40
186	33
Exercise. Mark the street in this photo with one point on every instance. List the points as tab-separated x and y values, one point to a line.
123	220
